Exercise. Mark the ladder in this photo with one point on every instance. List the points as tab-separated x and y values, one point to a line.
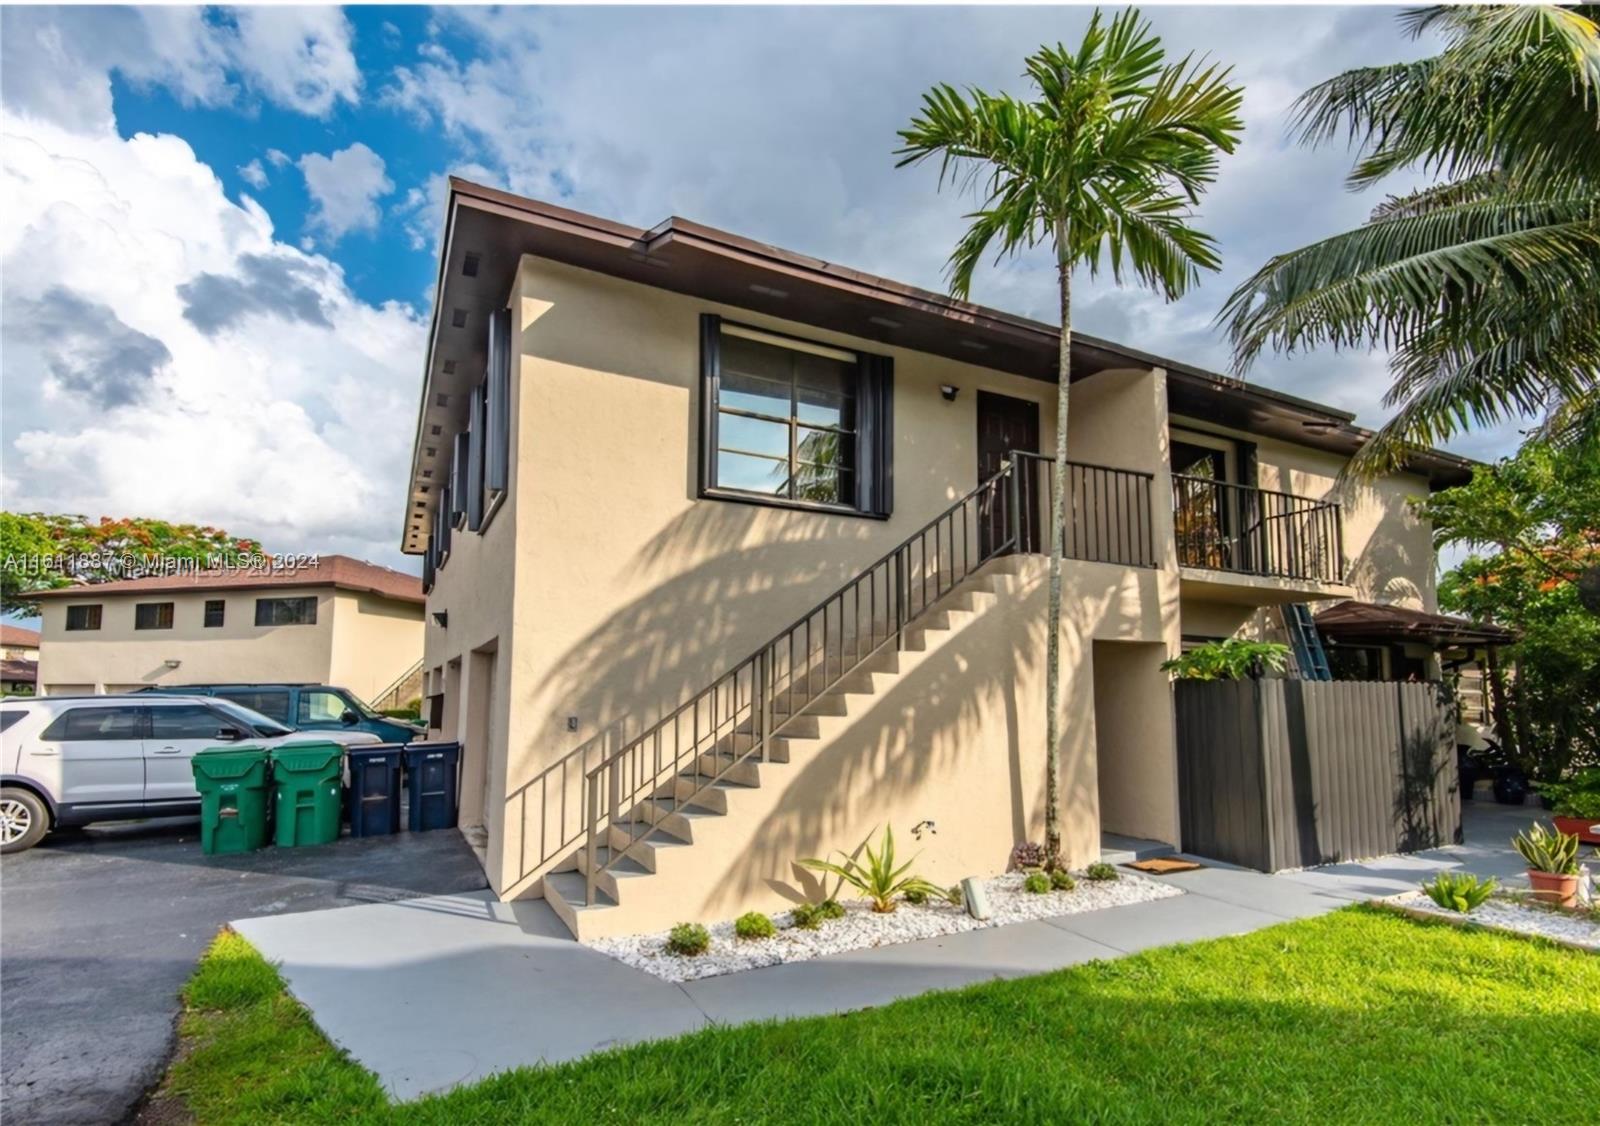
1310	659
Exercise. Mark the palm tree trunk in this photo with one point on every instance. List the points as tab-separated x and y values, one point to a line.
1058	519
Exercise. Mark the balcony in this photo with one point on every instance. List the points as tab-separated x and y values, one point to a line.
1270	540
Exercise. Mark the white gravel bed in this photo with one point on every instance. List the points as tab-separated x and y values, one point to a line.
861	927
1504	912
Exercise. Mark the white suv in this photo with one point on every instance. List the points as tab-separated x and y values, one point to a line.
73	760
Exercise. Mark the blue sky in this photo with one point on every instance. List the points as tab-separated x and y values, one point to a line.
219	239
378	267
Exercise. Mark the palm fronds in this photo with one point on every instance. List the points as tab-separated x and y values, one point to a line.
1483	286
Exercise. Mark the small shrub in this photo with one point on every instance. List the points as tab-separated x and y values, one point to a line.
804	916
1232	659
955	896
877	878
1062	880
688	940
1027	854
1579	796
830	909
753	924
1458	891
1100	870
916	897
1037	883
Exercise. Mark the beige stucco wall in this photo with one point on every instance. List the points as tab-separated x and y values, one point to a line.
119	656
375	640
957	740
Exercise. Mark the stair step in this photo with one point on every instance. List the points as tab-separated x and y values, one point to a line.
570	889
671	816
745	771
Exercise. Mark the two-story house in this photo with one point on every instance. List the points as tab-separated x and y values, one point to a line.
334	620
733	556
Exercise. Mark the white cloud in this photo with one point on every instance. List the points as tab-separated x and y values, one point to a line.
198	368
254	174
278	158
422	209
345	187
298	57
58	62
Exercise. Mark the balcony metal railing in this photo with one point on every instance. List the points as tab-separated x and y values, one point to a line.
1108	511
1228	527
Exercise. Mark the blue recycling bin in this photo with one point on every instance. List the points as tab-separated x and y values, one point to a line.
373	804
432	776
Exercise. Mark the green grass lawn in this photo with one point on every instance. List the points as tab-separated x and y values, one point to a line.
1361	1015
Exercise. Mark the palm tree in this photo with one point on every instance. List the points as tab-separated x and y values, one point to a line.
1485	287
1104	165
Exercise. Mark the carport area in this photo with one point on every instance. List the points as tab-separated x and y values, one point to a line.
101	927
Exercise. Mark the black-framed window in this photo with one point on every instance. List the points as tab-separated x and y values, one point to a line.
794	422
152	615
85	616
215	609
286	611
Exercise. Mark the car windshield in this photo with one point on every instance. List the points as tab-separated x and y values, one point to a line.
255	721
362	706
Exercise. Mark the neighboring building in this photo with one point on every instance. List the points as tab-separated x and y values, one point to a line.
19	660
19	643
646	459
339	621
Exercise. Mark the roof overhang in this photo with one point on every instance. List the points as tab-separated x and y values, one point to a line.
487	232
1354	622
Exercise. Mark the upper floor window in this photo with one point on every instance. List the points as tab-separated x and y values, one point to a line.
215	607
794	422
84	617
152	615
286	611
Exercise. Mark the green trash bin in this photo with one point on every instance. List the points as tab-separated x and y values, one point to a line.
307	793
233	798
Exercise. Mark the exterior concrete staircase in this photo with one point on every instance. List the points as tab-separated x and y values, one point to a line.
639	870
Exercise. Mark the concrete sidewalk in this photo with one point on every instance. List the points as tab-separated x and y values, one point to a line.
431	993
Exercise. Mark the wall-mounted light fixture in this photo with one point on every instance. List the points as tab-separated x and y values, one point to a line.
172	664
441	618
949	391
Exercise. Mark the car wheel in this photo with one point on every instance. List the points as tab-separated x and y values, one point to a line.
23	820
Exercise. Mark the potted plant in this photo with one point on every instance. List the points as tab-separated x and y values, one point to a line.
1552	859
1510	785
1576	804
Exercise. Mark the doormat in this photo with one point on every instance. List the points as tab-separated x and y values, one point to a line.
1162	866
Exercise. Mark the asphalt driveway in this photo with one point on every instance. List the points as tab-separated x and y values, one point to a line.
100	928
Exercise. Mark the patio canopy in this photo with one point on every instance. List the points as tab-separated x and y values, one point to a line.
1352	621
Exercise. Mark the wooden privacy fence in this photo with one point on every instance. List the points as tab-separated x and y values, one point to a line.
1279	773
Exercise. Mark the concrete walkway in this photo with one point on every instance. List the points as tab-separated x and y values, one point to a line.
430	993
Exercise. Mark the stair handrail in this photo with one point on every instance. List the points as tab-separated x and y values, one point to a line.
764	674
377	701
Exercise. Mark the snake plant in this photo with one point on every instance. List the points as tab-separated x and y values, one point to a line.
1549	851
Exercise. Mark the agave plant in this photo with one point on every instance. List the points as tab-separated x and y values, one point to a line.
1548	850
877	879
1458	891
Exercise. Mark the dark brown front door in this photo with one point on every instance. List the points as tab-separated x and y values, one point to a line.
1006	424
